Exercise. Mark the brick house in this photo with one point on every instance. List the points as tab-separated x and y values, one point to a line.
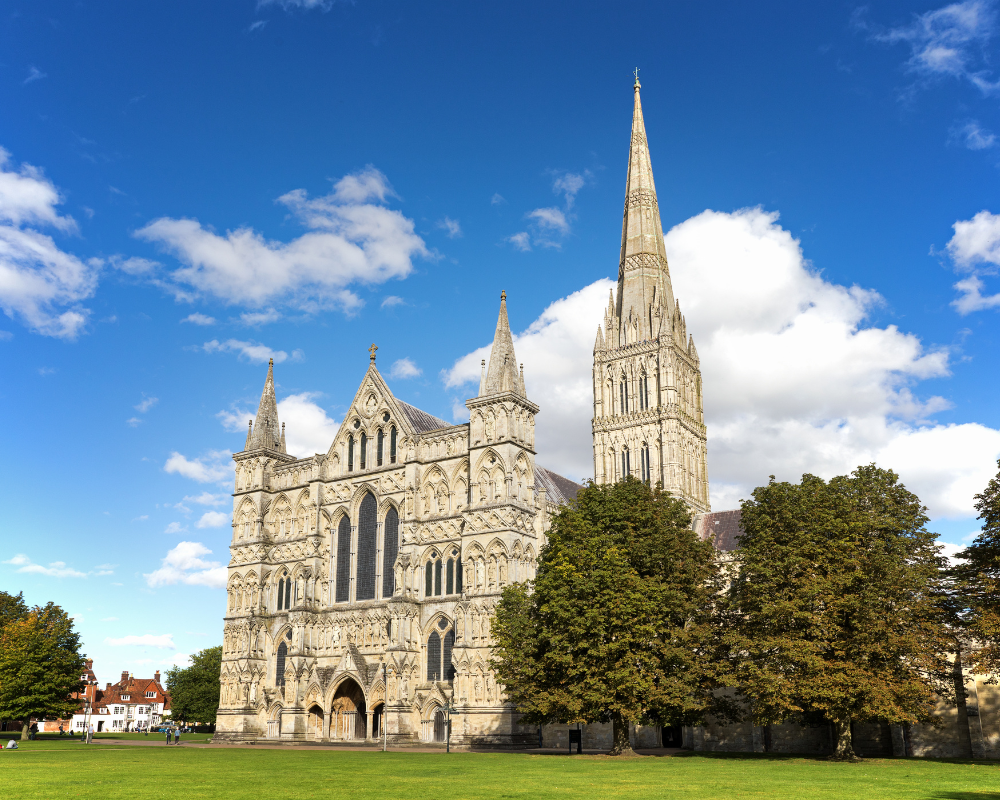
132	704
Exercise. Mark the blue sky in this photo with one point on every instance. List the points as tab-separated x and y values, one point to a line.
188	189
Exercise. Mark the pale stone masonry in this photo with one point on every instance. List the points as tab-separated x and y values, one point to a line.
362	580
648	415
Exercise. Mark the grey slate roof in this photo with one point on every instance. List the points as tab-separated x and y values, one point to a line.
557	488
721	528
421	420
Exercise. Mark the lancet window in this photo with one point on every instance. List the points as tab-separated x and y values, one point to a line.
367	546
350	453
392	445
363	454
623	395
644	462
284	592
626	462
379	447
440	645
390	549
643	392
279	665
443	576
344	560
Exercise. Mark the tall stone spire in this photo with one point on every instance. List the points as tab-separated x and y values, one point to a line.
502	374
266	433
643	275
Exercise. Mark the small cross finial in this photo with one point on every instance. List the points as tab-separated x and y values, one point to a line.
503	295
371	351
636	73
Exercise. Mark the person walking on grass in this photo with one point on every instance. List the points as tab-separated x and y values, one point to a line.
90	734
177	735
168	735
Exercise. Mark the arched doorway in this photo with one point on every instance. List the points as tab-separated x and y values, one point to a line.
315	729
672	736
349	712
378	720
439	726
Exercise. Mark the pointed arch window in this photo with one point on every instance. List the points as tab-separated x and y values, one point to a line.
623	394
350	453
450	577
379	447
392	445
279	665
643	392
390	549
644	462
367	547
626	463
440	645
344	560
363	454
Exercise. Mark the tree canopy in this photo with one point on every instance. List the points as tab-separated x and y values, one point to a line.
835	608
194	690
40	663
978	584
615	626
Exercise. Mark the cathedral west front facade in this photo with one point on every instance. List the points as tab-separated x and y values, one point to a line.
362	580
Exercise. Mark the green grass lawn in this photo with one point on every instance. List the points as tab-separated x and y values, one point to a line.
61	769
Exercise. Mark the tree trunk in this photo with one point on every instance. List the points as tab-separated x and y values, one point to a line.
24	731
621	745
843	749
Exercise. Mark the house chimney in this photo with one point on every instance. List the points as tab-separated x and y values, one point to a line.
156	676
107	687
124	676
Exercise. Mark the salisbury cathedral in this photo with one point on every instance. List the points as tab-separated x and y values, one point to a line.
362	580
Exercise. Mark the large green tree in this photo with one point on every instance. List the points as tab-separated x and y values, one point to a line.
615	626
40	662
836	606
978	584
194	690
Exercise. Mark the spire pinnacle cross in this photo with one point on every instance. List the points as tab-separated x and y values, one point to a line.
636	73
503	295
371	351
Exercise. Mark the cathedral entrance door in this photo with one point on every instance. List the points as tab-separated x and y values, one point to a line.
672	736
439	726
349	706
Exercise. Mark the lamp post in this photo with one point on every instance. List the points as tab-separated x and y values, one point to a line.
385	707
448	709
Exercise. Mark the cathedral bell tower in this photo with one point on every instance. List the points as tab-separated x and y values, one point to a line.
648	414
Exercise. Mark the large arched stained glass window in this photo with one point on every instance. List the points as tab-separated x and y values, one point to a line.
344	560
279	666
390	549
367	548
434	657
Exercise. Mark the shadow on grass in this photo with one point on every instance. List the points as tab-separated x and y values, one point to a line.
966	796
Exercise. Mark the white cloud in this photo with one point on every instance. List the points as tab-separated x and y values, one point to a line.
210	468
950	42
403	369
206	499
146	404
175	527
165	641
497	199
352	238
308	429
213	519
109	619
134	265
392	300
308	5
550	219
569	183
39	283
56	569
199	319
973	135
34	74
521	241
450	226
257	318
184	564
975	248
133	422
793	379
257	25
252	351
